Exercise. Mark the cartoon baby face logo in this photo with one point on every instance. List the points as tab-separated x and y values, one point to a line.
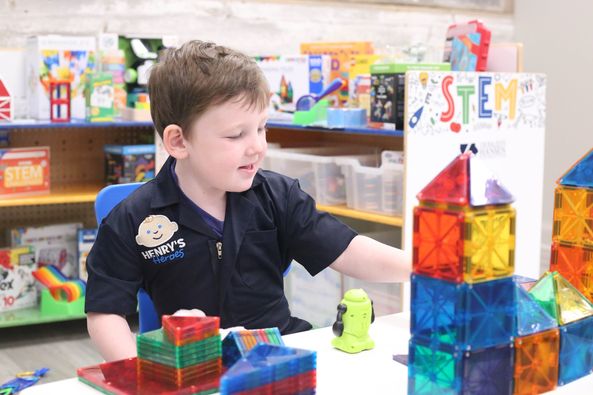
155	230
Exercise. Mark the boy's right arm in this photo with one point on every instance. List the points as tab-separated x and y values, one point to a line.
111	335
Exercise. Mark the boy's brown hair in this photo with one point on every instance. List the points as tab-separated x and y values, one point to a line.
187	80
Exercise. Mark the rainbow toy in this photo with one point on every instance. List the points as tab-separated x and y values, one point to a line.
60	287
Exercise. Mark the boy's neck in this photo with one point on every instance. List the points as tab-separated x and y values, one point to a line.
211	200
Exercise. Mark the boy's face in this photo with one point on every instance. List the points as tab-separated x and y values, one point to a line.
227	145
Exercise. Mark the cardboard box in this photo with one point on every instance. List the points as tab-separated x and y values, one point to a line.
129	163
53	245
24	171
17	284
70	58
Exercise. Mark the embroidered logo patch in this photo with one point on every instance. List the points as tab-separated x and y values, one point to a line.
156	231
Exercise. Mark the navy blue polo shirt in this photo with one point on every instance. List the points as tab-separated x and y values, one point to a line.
156	240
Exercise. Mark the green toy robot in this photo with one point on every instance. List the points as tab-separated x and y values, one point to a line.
355	315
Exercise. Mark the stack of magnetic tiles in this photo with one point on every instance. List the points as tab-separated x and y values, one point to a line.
186	351
474	330
572	241
237	344
271	369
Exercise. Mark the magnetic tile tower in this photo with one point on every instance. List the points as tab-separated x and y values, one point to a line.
474	328
572	240
463	310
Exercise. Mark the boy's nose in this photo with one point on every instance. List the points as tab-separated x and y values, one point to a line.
257	146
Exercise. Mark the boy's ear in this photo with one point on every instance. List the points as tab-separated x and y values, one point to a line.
174	142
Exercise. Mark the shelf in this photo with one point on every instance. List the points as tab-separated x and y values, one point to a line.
64	195
35	124
344	211
33	315
367	131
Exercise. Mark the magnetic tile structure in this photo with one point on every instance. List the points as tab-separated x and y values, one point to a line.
536	362
271	369
469	245
573	215
238	343
442	369
475	328
531	317
576	350
466	316
464	228
575	263
560	299
580	174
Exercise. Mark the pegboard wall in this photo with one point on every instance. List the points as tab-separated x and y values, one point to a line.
39	215
76	154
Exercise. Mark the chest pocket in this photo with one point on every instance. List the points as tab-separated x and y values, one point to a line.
259	259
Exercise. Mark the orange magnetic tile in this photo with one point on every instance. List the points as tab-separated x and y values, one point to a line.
573	215
536	362
471	245
575	263
438	242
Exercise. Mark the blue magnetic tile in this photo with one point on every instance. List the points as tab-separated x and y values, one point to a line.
234	347
433	368
488	371
531	317
436	309
581	174
466	315
576	350
264	364
490	311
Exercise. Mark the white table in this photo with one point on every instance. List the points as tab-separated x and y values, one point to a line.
369	372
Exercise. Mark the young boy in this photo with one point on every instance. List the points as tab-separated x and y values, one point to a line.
211	231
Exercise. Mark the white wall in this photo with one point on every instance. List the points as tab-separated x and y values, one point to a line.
558	40
256	27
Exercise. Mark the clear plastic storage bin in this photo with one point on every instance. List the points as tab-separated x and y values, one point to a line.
317	170
376	189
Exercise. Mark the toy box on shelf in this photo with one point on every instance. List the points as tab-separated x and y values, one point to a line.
24	171
388	89
466	46
54	245
54	57
341	54
86	239
6	106
100	98
129	163
291	77
17	285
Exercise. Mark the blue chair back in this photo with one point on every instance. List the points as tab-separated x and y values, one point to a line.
107	199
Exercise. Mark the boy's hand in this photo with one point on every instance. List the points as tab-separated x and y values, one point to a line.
190	313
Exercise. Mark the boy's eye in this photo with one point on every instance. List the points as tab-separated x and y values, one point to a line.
160	226
148	232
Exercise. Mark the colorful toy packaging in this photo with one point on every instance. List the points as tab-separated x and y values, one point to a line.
24	171
61	58
86	239
53	244
17	285
388	82
129	163
100	98
291	77
341	54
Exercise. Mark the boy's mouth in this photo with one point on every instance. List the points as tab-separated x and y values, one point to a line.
250	167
